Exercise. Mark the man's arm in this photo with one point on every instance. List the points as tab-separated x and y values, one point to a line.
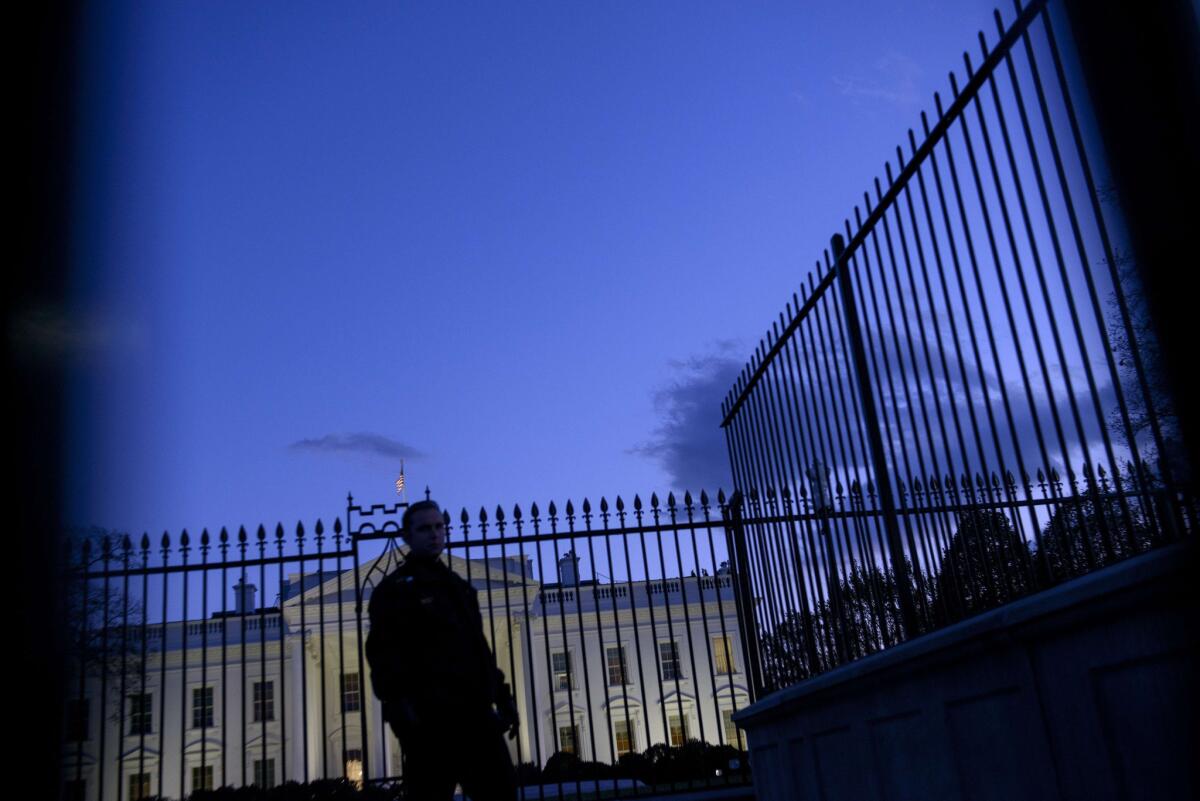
383	644
501	693
495	675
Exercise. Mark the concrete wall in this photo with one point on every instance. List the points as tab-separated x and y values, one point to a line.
1082	692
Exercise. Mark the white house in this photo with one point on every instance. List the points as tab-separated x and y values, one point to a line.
265	695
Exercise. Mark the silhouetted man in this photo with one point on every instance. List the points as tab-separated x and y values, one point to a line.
435	674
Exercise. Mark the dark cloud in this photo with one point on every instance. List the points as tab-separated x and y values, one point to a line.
689	443
361	442
936	417
51	333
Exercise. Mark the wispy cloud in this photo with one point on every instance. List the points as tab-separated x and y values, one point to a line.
893	80
360	442
53	333
943	415
689	443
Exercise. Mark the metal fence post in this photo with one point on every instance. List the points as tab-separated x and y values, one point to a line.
887	501
744	599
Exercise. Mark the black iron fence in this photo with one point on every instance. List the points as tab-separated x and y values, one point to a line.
962	404
237	659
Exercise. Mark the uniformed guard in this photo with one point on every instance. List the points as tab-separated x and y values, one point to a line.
442	693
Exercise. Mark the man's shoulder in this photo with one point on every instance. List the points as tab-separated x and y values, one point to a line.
459	582
409	575
392	585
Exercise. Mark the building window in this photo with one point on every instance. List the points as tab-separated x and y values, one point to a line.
560	665
77	720
623	736
617	674
723	655
353	758
264	701
264	772
733	735
351	695
140	705
139	786
202	707
75	790
202	777
678	727
568	739
668	658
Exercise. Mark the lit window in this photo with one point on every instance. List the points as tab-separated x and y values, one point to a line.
560	665
351	696
568	739
733	735
202	707
617	674
202	777
264	701
623	735
723	655
679	731
668	658
354	765
140	705
264	772
139	786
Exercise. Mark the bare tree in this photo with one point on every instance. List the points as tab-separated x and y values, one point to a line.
106	623
1141	373
986	565
860	618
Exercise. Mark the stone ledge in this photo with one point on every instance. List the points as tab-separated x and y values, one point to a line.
953	642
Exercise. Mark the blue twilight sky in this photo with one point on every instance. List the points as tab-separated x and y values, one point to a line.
523	246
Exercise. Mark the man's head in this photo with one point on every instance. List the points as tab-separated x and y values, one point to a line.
423	529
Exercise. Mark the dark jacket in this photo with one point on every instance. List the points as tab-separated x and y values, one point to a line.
426	644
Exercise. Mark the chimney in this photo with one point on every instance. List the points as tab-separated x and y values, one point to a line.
568	569
243	597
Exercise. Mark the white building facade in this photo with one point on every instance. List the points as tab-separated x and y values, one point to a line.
267	695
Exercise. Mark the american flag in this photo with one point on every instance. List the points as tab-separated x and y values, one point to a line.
400	480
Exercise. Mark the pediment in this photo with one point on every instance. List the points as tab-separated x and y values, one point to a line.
198	746
566	707
727	691
678	696
273	741
344	586
76	758
146	754
620	702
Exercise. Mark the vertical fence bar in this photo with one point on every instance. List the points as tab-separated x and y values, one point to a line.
883	481
303	649
183	670
744	599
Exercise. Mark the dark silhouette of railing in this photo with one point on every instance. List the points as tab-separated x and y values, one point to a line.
962	404
619	629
